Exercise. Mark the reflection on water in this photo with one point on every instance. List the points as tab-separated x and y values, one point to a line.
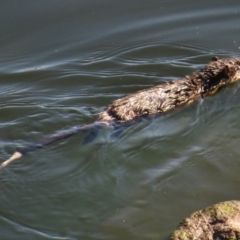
61	63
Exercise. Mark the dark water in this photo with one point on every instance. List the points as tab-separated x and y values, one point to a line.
61	62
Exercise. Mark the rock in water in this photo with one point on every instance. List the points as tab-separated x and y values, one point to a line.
218	222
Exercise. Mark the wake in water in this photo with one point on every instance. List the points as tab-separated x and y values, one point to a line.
158	99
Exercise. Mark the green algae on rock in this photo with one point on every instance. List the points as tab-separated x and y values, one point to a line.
218	222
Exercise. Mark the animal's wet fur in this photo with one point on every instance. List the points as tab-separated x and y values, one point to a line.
170	95
158	99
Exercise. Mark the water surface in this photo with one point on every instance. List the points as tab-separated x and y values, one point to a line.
61	63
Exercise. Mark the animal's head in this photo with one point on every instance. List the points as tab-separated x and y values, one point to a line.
230	68
220	72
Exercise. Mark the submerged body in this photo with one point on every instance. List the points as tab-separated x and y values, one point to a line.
158	99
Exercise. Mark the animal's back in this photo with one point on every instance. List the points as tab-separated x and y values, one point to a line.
160	98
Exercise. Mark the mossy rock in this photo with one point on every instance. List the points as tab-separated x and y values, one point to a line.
218	222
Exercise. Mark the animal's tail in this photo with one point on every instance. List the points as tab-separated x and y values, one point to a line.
51	139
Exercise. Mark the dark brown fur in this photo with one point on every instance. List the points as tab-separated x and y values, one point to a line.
167	96
158	99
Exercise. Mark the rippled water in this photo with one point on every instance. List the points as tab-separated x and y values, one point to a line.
61	63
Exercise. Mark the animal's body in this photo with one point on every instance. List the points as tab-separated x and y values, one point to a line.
158	99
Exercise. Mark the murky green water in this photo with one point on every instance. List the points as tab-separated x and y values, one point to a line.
61	63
